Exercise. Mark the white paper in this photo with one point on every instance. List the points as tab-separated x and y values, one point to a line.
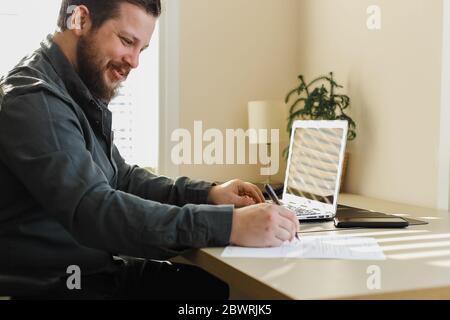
315	247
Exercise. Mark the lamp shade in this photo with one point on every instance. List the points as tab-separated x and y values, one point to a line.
267	115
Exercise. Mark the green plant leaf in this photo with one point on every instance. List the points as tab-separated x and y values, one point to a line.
318	100
291	110
288	97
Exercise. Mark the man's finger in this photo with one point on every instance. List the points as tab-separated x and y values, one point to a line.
258	193
287	213
290	215
251	190
243	201
275	240
288	225
283	235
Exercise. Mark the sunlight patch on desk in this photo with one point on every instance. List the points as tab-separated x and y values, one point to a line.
357	233
308	228
279	272
416	238
419	255
418	245
440	263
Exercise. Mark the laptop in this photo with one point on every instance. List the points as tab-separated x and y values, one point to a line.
314	169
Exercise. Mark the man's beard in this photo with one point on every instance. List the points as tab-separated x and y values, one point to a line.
91	71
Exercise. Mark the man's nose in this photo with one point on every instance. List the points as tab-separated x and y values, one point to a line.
133	59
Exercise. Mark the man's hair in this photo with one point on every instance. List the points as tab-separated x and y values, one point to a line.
103	10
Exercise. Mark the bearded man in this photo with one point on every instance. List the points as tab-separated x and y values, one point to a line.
69	199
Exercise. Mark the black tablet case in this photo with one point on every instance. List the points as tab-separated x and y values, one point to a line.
346	211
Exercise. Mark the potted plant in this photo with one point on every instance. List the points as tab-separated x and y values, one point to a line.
319	100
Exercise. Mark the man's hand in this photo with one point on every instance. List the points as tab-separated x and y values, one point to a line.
263	225
236	192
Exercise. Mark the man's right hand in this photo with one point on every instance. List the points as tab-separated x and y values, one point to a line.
263	225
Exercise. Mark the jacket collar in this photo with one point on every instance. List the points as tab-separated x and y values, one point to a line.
66	72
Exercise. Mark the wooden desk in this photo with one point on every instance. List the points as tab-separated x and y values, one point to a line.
419	271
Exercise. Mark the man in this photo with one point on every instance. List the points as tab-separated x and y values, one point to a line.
67	197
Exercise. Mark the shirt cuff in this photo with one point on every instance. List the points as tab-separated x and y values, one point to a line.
197	192
219	226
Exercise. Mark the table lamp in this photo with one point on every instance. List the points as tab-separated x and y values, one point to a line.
267	115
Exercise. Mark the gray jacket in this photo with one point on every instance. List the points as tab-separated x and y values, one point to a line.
66	195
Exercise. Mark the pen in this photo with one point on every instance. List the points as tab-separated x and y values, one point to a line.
274	198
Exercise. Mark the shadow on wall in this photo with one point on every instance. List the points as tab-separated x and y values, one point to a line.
360	151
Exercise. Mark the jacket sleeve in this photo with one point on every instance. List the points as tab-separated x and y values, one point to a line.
42	143
144	184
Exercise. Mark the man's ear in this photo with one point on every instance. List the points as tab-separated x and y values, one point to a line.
79	21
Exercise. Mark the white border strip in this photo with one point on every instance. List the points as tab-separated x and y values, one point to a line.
443	198
169	84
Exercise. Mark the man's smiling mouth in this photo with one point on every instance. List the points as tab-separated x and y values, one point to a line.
119	73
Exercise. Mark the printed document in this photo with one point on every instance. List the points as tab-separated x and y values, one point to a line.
315	247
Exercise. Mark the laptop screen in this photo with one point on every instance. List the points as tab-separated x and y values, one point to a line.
314	164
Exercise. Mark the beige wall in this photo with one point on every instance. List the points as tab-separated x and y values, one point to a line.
240	50
393	76
232	52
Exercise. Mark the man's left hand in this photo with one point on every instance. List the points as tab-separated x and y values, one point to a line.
236	192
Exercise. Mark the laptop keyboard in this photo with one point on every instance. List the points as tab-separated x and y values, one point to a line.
302	212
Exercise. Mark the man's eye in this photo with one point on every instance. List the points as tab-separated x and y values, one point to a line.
126	41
